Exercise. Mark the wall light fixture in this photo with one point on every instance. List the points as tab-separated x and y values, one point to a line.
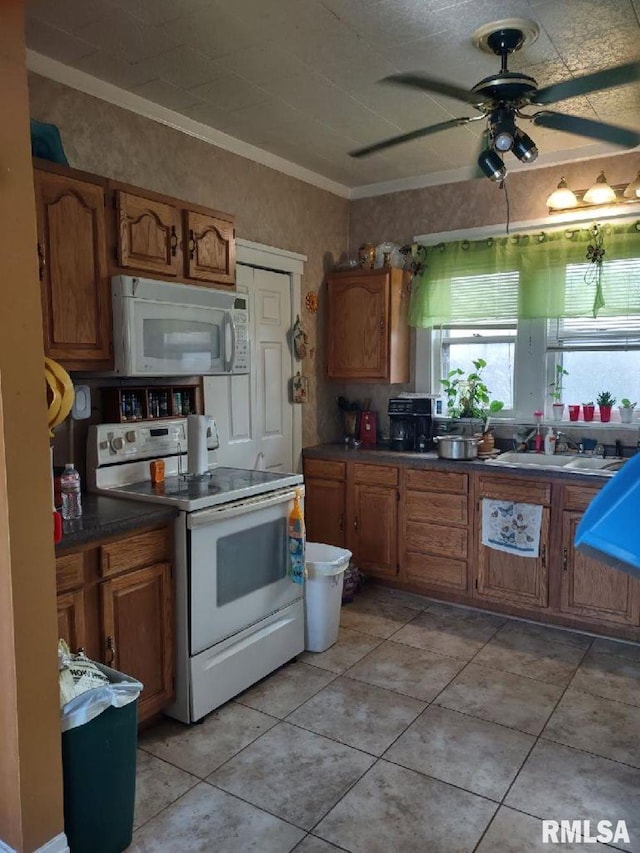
598	194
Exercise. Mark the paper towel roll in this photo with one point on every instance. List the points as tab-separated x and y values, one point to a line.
197	459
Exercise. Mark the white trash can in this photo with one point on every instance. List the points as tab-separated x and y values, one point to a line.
325	566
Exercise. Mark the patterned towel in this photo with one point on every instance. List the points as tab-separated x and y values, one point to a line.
511	527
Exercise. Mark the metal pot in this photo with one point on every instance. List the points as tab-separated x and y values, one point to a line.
456	447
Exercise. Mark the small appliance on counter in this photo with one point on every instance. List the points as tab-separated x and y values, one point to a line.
410	423
368	429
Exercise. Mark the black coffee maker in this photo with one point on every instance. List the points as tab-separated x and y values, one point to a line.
410	424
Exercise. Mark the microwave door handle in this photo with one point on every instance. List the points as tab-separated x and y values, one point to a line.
229	342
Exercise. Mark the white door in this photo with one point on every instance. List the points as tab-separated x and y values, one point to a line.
253	412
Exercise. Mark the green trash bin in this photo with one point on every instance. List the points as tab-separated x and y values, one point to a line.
99	765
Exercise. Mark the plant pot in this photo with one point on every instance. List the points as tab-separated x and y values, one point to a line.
558	411
626	414
486	443
605	414
588	411
574	413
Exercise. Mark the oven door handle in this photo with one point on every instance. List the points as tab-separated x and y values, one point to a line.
210	516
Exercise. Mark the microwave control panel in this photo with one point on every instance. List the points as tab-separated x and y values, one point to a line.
242	355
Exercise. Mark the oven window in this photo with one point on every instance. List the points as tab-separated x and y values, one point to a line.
251	559
193	343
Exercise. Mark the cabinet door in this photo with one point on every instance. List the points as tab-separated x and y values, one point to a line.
71	627
324	506
211	249
357	327
511	579
375	530
148	234
137	632
72	255
592	589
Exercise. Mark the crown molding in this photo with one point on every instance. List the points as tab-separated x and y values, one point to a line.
83	82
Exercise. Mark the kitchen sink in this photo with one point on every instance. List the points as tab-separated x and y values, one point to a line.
584	464
532	460
596	463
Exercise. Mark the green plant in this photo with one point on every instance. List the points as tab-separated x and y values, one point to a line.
468	396
590	403
604	398
556	385
627	404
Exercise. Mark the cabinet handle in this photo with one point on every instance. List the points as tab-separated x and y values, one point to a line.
174	241
382	324
355	523
192	244
543	556
111	652
341	522
565	559
41	262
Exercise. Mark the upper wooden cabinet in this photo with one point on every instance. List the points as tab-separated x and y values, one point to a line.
163	237
72	258
211	248
367	331
148	234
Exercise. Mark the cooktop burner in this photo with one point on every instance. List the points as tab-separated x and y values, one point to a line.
222	486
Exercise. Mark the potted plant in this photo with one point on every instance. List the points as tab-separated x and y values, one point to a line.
588	410
486	439
605	402
555	393
626	408
469	397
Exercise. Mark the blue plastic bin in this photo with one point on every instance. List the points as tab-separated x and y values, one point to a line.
610	528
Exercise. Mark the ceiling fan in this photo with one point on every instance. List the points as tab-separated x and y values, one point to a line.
501	97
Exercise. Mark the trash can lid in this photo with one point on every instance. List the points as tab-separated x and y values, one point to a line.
326	559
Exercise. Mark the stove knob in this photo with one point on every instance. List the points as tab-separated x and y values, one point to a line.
130	435
117	443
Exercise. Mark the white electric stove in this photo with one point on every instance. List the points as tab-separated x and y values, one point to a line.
238	616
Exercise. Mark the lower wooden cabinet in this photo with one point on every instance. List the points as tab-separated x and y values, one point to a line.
506	577
115	601
325	501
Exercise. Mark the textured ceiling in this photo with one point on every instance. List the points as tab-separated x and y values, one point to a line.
298	78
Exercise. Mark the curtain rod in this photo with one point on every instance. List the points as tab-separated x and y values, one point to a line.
556	222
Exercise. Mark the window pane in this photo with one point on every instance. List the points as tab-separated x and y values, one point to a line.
497	375
617	371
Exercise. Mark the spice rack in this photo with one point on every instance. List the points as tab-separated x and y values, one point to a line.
157	402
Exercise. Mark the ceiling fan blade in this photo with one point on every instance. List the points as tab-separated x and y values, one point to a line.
596	82
586	127
438	87
407	137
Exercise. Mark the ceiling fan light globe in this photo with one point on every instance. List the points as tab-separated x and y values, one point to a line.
503	141
600	192
492	165
524	147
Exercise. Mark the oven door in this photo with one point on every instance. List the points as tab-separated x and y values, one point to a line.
238	566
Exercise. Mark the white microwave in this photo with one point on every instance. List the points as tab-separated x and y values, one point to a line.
169	329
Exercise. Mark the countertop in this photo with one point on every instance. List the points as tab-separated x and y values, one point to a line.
384	456
103	516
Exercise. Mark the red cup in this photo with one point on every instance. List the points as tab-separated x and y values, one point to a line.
574	413
588	412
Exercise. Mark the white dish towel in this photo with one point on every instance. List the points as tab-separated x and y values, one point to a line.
511	527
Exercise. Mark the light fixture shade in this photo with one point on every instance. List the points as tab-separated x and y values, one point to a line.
633	189
524	147
562	197
492	165
600	192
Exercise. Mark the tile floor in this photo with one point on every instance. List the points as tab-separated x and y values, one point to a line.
425	728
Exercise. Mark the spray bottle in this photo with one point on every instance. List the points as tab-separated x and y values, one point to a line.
297	571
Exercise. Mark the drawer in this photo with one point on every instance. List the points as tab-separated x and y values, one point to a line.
69	572
436	481
523	491
437	572
423	506
134	552
324	469
578	497
436	539
375	475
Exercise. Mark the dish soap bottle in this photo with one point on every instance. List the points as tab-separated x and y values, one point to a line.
296	571
550	442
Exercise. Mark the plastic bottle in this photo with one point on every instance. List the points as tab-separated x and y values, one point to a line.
539	440
550	442
70	490
297	571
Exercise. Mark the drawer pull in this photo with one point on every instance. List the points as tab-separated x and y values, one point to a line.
543	556
192	244
565	559
174	241
355	523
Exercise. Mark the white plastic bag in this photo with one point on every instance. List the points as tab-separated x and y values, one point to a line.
120	690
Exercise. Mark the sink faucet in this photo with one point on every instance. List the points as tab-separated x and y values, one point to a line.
565	442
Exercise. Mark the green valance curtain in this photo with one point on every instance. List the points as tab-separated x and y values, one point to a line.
526	276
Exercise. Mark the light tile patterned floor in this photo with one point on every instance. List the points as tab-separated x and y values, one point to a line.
426	728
